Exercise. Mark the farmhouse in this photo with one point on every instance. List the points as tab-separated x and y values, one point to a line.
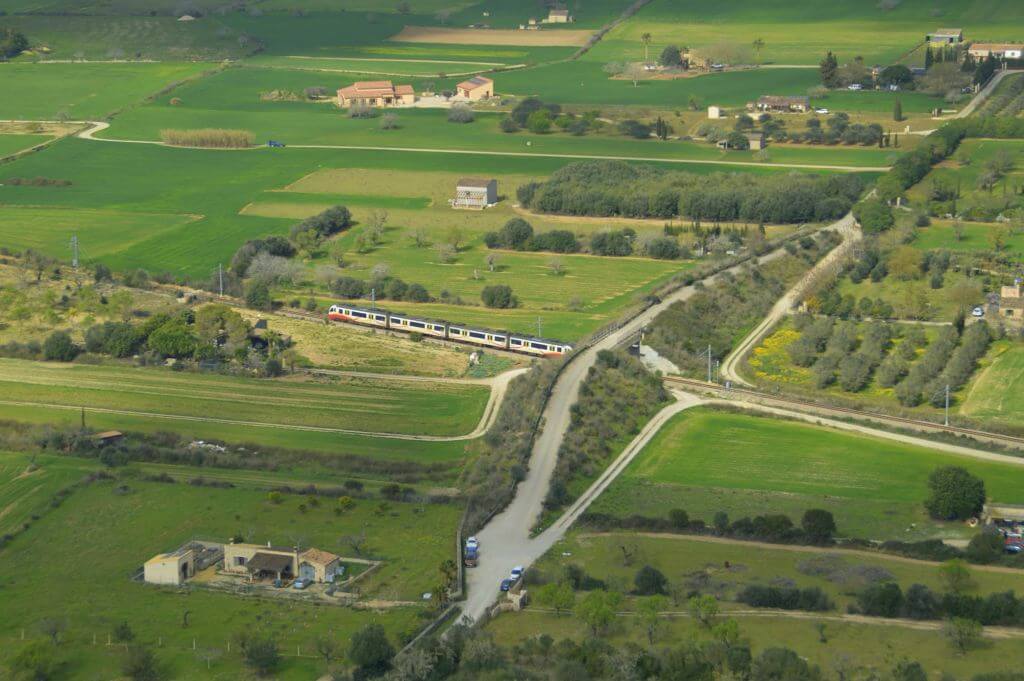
1011	303
170	568
945	36
476	88
559	16
782	104
996	50
376	93
475	193
756	141
257	561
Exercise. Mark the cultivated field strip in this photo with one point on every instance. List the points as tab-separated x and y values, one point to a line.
342	405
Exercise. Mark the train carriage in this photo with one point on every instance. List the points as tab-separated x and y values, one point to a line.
538	347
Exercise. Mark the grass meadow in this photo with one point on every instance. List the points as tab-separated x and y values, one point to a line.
997	391
83	91
799	33
12	144
113	527
875	488
362	404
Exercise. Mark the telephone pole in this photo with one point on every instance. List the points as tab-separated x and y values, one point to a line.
220	278
373	299
74	251
947	404
709	364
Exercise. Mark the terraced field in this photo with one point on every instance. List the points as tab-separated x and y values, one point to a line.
335	406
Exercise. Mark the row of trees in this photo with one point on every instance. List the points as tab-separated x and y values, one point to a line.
214	138
608	188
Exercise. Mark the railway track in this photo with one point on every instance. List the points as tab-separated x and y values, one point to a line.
826	410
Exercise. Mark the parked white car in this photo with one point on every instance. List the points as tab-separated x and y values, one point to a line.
472	543
854	86
821	110
978	312
516	573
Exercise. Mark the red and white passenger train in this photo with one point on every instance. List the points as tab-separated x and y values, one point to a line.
501	340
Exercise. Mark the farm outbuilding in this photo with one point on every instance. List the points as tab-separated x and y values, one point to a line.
945	36
714	112
559	16
319	566
1011	303
259	562
756	141
475	193
783	104
476	88
170	568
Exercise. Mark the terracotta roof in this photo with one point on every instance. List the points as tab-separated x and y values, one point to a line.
318	557
404	90
474	182
270	562
947	31
780	100
996	47
475	82
375	88
559	13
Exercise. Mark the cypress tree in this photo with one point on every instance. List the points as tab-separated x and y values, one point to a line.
897	110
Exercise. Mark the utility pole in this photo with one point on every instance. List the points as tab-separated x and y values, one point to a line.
539	334
373	299
74	251
947	404
709	364
220	277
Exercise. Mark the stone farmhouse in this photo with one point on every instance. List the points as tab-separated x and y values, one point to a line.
782	104
996	50
1011	303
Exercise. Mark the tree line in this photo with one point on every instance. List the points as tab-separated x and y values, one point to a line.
616	188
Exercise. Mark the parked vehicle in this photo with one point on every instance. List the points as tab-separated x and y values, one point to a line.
854	86
472	543
517	572
506	584
821	110
978	312
471	557
275	144
300	583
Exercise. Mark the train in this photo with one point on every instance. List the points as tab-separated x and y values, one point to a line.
461	333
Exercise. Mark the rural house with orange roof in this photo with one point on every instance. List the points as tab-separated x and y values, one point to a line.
476	88
376	93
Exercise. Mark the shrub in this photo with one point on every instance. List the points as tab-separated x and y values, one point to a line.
498	296
58	347
650	581
461	113
818	526
663	248
612	243
881	600
874	216
786	598
257	295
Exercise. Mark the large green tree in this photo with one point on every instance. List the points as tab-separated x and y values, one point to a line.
955	494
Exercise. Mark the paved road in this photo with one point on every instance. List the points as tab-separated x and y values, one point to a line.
505	542
851	234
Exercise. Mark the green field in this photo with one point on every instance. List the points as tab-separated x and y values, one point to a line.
83	91
26	489
366	405
801	33
997	391
112	530
975	237
11	144
875	488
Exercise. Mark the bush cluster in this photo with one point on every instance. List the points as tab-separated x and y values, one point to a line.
518	235
812	599
213	138
927	368
389	287
273	245
329	222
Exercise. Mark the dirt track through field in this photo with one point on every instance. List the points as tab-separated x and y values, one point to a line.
491	36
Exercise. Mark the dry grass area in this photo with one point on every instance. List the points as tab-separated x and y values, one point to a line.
490	36
338	346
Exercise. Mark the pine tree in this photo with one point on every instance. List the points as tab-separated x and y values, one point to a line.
928	57
897	110
829	71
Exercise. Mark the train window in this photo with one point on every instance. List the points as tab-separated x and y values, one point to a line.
500	339
477	334
357	313
417	325
539	346
516	341
438	327
380	317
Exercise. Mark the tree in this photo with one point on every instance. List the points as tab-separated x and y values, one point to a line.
58	347
956	494
597	609
539	122
758	45
492	261
956	576
897	110
36	662
645	38
557	596
498	296
818	525
905	670
962	633
257	295
985	547
904	263
327	646
782	664
829	71
874	216
370	651
461	113
634	72
12	43
259	651
671	57
556	266
102	273
650	581
172	339
648	612
704	609
123	633
140	664
965	293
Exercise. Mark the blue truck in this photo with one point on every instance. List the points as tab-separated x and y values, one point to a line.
470	556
